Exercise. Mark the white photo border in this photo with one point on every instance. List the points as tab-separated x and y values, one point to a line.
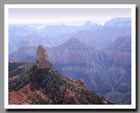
133	56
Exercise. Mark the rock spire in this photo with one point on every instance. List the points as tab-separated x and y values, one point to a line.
41	60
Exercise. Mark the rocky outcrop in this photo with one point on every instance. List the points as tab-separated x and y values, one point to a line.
81	82
50	87
42	84
41	60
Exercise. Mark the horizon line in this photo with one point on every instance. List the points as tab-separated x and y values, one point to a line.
72	23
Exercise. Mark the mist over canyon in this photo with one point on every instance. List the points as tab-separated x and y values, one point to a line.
100	55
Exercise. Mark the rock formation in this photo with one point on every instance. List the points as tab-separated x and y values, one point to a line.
44	85
81	82
41	60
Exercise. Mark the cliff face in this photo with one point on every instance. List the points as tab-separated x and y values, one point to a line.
42	61
42	84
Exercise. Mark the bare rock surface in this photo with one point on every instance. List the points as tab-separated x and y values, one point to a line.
41	60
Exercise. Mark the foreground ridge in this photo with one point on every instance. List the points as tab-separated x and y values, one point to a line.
42	84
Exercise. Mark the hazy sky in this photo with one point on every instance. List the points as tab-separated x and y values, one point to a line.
66	15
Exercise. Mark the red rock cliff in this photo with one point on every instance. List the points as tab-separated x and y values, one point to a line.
41	60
